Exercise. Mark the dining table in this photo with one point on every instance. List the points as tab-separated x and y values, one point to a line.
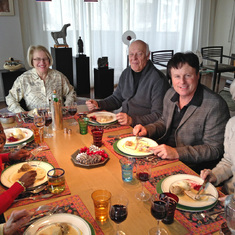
82	181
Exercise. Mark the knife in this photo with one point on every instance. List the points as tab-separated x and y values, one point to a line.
203	186
35	197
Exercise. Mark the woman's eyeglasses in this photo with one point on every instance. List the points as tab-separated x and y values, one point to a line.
41	59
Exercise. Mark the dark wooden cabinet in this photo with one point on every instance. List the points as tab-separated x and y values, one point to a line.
63	62
82	75
9	77
104	82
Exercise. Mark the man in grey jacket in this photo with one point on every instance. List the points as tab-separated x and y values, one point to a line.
192	126
140	90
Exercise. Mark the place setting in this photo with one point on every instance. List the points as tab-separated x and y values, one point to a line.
184	183
70	214
129	146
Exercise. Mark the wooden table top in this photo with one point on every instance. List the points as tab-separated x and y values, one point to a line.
83	182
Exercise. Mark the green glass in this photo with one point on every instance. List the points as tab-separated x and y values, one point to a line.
83	124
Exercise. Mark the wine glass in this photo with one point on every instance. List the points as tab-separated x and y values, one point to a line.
159	208
143	174
118	211
72	110
48	121
39	122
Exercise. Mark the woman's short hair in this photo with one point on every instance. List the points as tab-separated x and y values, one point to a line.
32	49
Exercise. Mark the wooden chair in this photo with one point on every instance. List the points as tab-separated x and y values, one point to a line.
214	55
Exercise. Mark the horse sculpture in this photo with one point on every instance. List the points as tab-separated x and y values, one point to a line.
61	34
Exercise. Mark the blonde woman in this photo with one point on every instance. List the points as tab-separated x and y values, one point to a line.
36	86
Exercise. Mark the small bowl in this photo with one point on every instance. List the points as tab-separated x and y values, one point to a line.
7	118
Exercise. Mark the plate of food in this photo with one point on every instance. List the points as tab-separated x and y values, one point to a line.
13	173
17	135
58	223
131	146
102	118
186	188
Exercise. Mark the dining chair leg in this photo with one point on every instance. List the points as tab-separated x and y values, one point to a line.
214	80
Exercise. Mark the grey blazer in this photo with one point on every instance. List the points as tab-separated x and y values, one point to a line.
200	134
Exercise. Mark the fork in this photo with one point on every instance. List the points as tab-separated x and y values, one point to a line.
213	214
205	194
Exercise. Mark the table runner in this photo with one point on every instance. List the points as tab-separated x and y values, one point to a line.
45	156
74	205
108	142
204	226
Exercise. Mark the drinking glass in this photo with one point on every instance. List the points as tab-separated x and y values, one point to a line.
72	110
143	174
39	122
118	211
229	206
48	121
159	208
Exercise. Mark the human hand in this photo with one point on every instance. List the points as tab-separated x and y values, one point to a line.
16	220
208	173
124	119
22	154
139	130
165	152
92	105
28	178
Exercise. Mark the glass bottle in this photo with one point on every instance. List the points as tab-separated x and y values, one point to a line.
229	207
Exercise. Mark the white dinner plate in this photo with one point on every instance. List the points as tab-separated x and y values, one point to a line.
27	132
74	220
122	147
102	114
168	181
7	173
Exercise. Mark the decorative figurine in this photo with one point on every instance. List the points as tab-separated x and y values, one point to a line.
12	64
80	46
60	34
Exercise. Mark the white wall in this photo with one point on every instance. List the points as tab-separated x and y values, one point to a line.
223	19
10	37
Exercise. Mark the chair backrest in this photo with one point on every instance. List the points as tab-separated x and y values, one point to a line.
161	57
212	51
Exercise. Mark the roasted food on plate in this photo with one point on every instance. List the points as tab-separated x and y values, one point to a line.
59	229
188	189
41	173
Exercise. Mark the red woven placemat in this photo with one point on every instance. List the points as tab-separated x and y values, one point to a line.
204	226
108	142
74	205
45	156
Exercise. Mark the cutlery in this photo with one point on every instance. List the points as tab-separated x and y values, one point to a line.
49	211
21	146
212	214
203	186
35	197
137	139
38	189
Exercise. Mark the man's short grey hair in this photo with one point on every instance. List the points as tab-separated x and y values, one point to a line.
146	44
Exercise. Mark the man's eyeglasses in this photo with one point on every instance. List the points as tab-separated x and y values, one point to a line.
138	54
41	59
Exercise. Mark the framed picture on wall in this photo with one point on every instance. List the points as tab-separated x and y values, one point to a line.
6	8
